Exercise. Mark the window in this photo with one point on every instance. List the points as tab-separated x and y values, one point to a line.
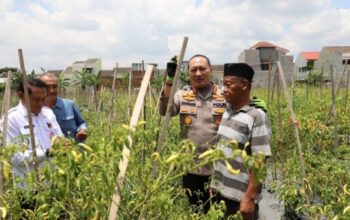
305	68
136	66
347	61
265	66
310	65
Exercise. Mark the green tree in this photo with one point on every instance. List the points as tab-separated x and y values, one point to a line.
315	77
82	79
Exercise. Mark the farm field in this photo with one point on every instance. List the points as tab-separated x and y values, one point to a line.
82	182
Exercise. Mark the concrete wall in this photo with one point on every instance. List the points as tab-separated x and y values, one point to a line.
300	62
252	57
326	59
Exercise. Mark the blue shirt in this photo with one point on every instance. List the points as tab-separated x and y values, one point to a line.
68	117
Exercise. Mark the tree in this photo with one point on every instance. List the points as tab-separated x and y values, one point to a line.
83	78
316	77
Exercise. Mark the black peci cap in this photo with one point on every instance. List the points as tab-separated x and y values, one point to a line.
239	69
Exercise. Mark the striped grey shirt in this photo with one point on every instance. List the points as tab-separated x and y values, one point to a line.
248	124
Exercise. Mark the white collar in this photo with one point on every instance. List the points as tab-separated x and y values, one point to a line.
24	110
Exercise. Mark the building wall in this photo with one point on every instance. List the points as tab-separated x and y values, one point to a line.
300	62
326	59
97	67
252	57
288	67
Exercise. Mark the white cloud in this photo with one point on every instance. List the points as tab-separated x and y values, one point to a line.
53	34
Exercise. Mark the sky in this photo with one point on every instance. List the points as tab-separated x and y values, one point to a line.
55	33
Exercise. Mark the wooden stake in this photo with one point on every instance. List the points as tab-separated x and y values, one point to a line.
337	87
335	130
5	109
268	83
293	82
144	102
273	85
347	91
279	116
160	92
110	117
322	82
170	104
27	100
100	102
296	129
129	94
123	164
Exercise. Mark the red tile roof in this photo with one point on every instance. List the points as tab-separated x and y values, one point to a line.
264	44
310	55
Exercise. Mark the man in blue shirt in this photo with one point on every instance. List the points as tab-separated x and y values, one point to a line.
67	113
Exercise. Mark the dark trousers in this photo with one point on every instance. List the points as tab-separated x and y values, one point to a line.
232	207
197	191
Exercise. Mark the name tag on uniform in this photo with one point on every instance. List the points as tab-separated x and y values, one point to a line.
218	107
27	126
218	111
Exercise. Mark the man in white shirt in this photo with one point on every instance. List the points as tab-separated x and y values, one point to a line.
45	127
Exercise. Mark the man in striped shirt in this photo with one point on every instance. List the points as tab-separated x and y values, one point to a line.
244	123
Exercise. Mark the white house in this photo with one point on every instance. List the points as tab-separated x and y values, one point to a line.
304	63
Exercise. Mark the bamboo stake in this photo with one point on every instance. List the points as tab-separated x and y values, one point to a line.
144	102
322	82
296	129
293	82
170	104
162	136
144	112
5	109
337	87
7	95
273	86
335	130
160	93
279	116
27	100
111	106
153	99
268	84
347	91
100	102
129	94
123	164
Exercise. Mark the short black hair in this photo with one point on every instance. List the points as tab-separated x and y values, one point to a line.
31	82
200	55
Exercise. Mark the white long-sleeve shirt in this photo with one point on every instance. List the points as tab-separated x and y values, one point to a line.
45	127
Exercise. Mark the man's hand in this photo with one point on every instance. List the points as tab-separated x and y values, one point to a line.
81	134
171	69
259	103
247	208
50	152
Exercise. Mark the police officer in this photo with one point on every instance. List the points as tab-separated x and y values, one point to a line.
200	106
45	127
